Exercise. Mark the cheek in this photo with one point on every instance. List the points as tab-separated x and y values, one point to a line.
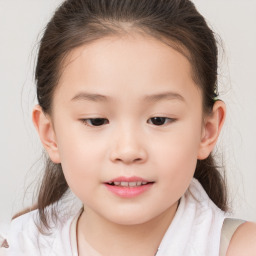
80	159
177	152
81	175
179	145
177	164
77	147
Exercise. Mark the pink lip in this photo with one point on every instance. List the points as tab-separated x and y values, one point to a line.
128	192
128	179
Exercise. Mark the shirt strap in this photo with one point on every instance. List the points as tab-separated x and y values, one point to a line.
73	240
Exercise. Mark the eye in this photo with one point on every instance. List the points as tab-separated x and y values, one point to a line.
159	121
94	121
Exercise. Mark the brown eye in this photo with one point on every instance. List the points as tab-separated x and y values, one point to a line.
160	120
94	121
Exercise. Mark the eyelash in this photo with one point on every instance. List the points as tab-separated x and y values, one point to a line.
85	121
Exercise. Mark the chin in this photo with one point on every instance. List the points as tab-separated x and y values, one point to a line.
130	219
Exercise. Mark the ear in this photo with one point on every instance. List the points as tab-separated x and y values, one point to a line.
45	129
211	129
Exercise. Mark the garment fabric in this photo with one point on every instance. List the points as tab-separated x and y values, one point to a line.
194	231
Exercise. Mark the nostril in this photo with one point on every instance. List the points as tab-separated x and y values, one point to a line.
129	160
128	155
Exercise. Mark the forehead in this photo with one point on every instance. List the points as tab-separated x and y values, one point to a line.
117	65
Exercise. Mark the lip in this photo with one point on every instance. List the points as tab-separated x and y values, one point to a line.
128	179
128	192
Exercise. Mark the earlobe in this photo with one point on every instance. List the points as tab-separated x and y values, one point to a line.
211	129
45	129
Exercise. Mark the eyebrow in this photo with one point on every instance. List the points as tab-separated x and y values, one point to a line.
85	96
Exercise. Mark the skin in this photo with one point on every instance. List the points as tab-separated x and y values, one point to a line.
243	240
127	144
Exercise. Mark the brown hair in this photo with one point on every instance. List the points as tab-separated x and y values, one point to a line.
174	22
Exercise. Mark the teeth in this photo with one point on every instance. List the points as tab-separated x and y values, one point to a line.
132	184
129	184
124	184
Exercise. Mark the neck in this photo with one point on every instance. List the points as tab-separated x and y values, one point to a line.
141	239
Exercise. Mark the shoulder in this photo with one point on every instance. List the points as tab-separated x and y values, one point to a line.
22	229
26	235
243	241
23	222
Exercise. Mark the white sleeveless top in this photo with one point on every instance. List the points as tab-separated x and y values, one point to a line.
194	231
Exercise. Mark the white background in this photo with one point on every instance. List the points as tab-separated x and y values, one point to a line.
22	23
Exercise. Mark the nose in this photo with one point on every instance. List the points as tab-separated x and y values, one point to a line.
128	148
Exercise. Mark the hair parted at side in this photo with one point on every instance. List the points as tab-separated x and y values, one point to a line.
174	22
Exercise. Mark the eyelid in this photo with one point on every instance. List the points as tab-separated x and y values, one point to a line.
85	120
171	120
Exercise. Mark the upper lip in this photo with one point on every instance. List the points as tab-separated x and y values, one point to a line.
128	179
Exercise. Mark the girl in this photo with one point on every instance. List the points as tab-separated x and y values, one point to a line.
128	115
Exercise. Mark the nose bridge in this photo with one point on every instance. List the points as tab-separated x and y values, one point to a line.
128	146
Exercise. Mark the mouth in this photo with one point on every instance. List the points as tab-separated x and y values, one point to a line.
128	184
128	187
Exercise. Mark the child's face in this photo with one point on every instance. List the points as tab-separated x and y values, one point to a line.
128	142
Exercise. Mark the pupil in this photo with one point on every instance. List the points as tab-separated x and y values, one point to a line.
158	120
97	121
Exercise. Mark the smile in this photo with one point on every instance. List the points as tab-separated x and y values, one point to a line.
128	187
128	184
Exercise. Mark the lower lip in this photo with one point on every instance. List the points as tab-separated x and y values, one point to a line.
128	192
